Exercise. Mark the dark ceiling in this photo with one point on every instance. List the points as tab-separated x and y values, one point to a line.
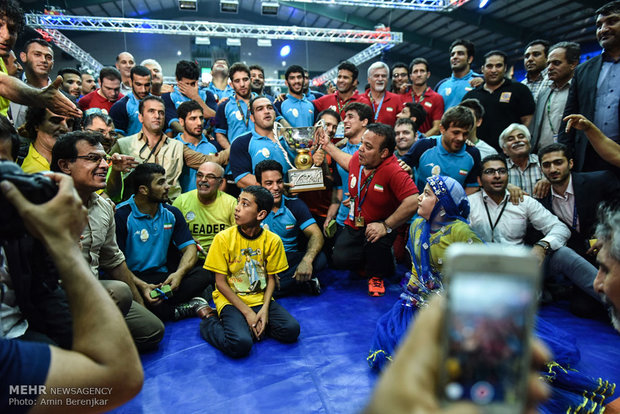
504	24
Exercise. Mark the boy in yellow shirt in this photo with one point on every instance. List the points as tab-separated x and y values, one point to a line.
245	259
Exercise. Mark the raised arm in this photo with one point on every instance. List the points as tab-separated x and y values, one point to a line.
103	353
608	149
17	91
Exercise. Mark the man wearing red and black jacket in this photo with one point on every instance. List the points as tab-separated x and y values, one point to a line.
383	197
346	83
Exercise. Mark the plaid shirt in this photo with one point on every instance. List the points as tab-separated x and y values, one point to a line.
525	179
536	85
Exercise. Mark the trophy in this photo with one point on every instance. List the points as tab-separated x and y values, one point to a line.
303	176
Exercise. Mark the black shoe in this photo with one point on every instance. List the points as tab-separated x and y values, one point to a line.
314	286
189	309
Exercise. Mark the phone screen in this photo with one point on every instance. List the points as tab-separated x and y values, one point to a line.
488	324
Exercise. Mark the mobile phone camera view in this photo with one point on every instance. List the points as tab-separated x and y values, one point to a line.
488	325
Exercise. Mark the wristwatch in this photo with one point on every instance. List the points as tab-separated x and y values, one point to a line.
545	245
388	229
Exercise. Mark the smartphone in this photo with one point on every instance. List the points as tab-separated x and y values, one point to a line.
492	295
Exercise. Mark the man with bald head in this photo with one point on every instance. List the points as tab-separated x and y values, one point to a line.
124	63
207	209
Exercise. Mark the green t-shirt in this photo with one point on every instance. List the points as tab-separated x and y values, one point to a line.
205	221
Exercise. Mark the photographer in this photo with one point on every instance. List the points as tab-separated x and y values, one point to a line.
103	354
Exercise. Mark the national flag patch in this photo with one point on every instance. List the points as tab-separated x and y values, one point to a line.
463	172
379	188
167	226
290	227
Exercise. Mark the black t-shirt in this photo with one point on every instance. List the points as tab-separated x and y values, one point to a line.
506	105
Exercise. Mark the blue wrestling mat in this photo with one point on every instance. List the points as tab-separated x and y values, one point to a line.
324	372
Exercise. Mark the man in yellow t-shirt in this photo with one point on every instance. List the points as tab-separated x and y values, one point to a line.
245	259
207	210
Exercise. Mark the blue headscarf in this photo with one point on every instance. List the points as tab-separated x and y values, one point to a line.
452	199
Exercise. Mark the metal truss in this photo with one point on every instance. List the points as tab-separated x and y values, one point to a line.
86	60
425	5
363	56
203	28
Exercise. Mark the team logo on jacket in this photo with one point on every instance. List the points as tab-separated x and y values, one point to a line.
447	91
144	235
295	112
505	97
238	115
190	215
353	181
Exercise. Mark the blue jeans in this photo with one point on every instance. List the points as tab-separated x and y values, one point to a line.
565	263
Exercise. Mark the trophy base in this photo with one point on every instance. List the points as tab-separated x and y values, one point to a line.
310	179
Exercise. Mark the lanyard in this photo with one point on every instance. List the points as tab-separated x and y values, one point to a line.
378	109
421	96
365	186
341	107
496	220
152	149
246	118
549	114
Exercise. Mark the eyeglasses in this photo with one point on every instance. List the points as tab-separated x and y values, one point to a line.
399	75
493	171
209	177
94	158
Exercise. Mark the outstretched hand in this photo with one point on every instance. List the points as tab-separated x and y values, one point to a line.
56	102
577	121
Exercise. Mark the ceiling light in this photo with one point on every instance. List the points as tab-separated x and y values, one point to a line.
269	8
188	5
202	41
263	42
229	6
233	41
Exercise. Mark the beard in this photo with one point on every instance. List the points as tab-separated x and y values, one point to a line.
614	313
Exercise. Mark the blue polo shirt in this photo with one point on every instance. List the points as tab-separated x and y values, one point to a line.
231	117
145	240
173	99
428	155
124	113
343	211
250	149
298	112
23	363
292	218
221	94
187	180
453	89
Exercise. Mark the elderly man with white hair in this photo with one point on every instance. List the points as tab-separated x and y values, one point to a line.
607	282
523	167
385	105
157	77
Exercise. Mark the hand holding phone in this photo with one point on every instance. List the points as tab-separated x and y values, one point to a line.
489	315
410	382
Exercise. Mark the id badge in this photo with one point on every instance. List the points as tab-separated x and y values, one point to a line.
359	221
352	210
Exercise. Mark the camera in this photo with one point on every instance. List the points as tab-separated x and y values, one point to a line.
36	188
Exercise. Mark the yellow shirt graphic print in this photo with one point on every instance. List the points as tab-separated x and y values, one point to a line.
252	277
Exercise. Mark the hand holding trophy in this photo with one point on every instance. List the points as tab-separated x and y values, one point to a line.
303	176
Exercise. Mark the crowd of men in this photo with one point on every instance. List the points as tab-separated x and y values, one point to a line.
172	178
